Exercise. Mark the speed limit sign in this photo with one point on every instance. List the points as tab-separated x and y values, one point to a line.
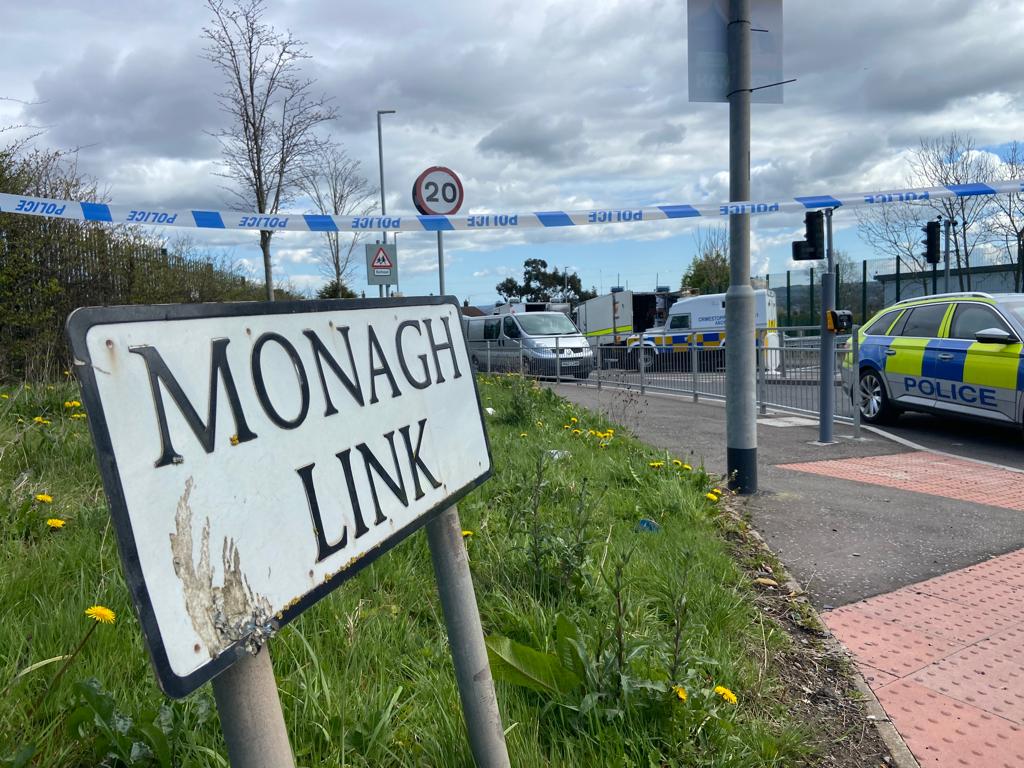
437	192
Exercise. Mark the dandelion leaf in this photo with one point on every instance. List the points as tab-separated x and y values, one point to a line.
527	667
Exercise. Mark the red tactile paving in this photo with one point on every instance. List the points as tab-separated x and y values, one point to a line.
946	659
929	473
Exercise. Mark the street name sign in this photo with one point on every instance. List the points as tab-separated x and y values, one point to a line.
255	455
382	264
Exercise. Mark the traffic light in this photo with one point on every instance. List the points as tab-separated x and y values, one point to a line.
812	247
931	242
814	233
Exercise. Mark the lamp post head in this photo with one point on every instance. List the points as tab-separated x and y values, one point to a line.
385	111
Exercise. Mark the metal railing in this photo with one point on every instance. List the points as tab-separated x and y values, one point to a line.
788	375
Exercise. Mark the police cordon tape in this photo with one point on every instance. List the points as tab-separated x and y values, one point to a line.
305	222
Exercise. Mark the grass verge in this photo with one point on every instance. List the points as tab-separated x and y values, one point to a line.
621	630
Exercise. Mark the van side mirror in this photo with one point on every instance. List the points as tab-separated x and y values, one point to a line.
995	336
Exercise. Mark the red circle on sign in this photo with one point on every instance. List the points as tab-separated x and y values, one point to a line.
437	192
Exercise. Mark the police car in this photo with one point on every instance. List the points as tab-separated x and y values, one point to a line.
954	353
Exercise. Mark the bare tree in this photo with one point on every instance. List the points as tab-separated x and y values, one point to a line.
272	110
709	270
895	230
333	182
1008	223
950	160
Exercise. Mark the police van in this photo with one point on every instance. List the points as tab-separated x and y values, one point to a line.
699	321
954	353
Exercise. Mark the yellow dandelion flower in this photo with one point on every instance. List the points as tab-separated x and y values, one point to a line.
725	693
40	420
234	439
677	463
611	431
577	431
602	445
522	434
101	614
466	534
710	497
77	415
5	397
67	373
656	464
540	423
574	420
72	404
45	498
679	691
55	523
687	467
566	426
716	491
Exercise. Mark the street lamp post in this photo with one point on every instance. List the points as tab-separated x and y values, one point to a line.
380	156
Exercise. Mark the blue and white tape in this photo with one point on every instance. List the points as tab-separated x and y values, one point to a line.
300	222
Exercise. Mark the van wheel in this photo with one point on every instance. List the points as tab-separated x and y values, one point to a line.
875	407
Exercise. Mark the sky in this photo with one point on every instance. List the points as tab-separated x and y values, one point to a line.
537	105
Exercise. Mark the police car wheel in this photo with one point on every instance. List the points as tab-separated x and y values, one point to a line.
874	402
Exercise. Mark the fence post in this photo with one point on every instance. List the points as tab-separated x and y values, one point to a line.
643	368
522	368
855	381
789	300
864	291
897	278
693	366
599	367
762	353
558	361
488	357
812	295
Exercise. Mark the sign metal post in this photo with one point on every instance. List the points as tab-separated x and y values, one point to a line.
238	502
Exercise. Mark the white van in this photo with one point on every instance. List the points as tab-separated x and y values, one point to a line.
542	343
700	321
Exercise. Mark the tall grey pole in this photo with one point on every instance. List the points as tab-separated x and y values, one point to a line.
947	223
740	413
440	261
827	379
250	714
466	640
380	159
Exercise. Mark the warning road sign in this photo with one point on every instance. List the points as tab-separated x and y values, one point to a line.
381	264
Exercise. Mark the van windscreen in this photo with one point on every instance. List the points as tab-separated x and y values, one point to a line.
546	324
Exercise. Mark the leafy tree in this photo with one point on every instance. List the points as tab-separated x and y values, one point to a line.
271	111
709	270
543	284
336	290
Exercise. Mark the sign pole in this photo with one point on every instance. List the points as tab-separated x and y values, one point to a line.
250	714
440	260
740	408
466	638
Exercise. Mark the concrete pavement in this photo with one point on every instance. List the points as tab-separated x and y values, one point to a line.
896	546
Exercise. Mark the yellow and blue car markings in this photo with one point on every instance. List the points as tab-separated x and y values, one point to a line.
968	374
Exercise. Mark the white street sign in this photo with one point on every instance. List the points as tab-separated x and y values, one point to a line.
256	455
707	24
437	192
382	264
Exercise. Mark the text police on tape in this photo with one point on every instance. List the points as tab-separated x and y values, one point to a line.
255	455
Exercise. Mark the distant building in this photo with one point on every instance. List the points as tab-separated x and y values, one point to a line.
468	311
990	278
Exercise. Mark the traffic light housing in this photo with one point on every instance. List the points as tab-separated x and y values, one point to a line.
931	242
812	247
